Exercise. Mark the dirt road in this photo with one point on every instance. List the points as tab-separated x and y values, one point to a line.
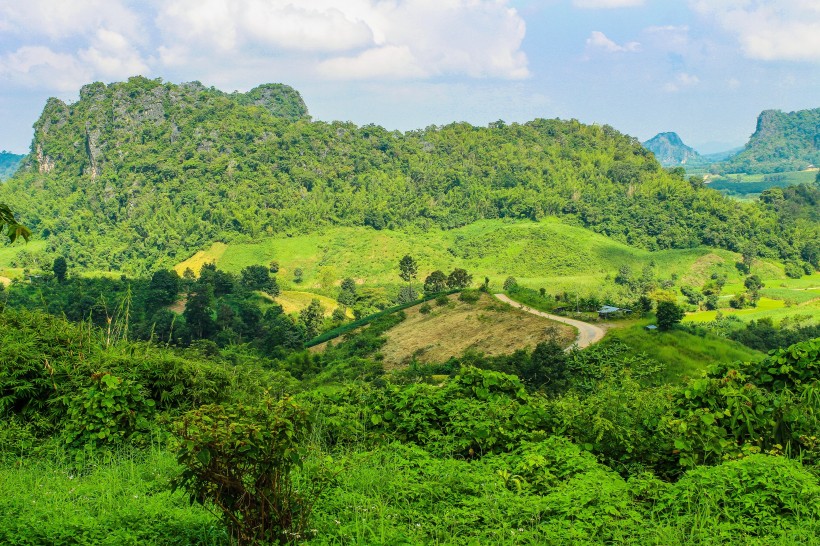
587	333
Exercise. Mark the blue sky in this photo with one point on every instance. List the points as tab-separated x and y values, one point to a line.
702	68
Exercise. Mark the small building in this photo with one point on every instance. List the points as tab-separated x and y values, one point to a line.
608	311
651	328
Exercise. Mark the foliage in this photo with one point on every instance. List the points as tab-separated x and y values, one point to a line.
668	314
169	169
108	412
751	407
242	459
10	224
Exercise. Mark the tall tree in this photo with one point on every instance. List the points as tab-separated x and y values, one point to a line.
668	314
408	269
59	267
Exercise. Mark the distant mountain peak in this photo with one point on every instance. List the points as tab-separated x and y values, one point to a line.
670	150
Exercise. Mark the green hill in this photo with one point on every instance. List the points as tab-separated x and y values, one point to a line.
537	254
142	174
8	164
670	150
781	142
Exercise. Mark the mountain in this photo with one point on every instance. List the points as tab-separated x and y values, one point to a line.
144	173
781	142
670	150
8	164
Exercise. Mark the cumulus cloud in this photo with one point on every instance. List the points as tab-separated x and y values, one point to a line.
606	4
39	66
64	19
358	39
599	41
67	44
682	80
769	30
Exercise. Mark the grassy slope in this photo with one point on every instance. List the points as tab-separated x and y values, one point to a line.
488	326
781	298
547	254
684	354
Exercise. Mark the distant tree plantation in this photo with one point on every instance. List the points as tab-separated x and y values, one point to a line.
140	174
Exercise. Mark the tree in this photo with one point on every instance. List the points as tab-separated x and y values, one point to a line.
347	293
624	276
199	311
59	267
408	269
297	275
435	282
753	285
10	224
255	277
459	278
510	284
163	288
668	314
546	368
312	317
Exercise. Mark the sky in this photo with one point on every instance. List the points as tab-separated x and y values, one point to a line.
702	68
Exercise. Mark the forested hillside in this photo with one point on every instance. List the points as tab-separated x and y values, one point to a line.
143	173
8	164
670	150
781	142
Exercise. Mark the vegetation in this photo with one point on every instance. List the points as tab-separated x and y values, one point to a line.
155	381
9	163
781	142
170	169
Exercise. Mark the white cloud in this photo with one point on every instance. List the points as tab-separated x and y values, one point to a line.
66	18
112	56
598	40
387	61
64	45
606	4
668	38
358	39
682	80
769	30
41	67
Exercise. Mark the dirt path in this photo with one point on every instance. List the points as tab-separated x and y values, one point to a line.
587	333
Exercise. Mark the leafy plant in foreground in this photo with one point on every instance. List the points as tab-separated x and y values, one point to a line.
242	460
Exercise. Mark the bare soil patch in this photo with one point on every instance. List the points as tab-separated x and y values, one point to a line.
487	326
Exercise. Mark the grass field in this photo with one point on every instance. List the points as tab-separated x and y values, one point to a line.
745	186
293	302
547	254
781	298
685	354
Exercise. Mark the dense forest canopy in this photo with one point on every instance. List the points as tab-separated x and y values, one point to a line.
140	174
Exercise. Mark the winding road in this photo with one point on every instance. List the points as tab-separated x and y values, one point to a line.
587	333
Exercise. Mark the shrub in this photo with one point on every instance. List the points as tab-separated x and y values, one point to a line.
425	308
242	459
108	412
510	284
442	300
469	296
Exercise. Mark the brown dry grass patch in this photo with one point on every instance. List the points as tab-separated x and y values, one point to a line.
488	326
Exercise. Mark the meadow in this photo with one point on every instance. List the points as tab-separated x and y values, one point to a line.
549	254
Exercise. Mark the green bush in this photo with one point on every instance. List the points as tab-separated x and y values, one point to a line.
469	296
753	496
242	459
108	412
